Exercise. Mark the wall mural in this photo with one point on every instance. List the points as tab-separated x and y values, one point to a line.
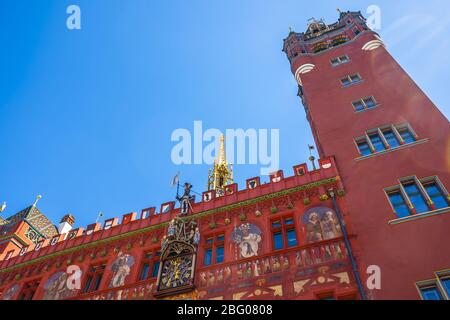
56	287
8	294
247	238
321	224
121	268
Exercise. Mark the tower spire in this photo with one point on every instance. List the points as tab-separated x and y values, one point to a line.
222	156
222	173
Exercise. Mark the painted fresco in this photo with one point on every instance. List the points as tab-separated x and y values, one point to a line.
247	238
121	268
321	224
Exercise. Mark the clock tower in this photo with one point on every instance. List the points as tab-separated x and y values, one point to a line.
178	255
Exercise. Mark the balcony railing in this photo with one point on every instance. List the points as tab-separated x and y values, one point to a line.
294	262
137	291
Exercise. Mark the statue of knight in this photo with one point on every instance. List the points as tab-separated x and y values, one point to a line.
185	199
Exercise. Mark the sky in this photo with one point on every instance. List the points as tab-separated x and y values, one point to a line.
86	116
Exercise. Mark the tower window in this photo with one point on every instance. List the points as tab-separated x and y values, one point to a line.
351	79
437	288
377	142
436	194
399	204
390	137
339	60
381	139
284	234
364	104
406	135
431	293
415	196
214	250
364	148
150	265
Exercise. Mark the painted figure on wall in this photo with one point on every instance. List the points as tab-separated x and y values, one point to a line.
56	287
121	268
9	294
247	237
321	224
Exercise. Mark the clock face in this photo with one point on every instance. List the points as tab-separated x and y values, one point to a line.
176	273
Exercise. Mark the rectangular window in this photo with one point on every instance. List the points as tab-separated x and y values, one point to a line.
377	142
208	257
155	269
358	105
214	250
436	195
352	79
291	238
388	138
446	285
399	204
416	197
94	278
364	104
219	254
406	135
431	293
364	148
283	233
391	138
149	265
339	60
277	241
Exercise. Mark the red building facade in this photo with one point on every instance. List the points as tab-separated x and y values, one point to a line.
384	168
256	243
392	147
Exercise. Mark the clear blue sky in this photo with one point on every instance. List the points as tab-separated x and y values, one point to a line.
86	116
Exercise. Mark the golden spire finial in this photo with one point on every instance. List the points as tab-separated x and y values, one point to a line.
222	174
222	156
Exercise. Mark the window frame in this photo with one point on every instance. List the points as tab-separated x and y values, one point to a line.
380	131
92	276
420	186
339	60
437	283
218	241
349	78
151	263
364	104
283	228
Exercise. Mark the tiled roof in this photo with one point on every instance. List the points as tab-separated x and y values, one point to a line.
37	219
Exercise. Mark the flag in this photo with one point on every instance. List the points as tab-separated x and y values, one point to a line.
175	180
